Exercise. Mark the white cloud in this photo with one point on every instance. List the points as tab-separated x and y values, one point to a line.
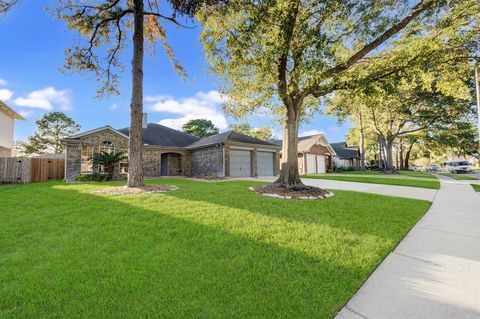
26	113
46	99
201	105
311	132
113	107
3	82
5	94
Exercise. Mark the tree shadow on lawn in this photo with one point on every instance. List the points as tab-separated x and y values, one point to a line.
68	253
388	218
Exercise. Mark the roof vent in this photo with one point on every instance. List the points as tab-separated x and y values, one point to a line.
144	120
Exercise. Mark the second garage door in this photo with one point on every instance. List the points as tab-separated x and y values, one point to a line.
321	164
240	163
265	164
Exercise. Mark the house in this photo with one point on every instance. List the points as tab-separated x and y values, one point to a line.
168	152
7	119
347	156
314	154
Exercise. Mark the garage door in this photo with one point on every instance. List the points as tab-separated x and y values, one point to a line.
311	164
240	163
321	164
265	164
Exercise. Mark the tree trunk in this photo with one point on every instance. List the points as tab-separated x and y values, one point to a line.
289	176
135	170
389	156
362	144
400	156
407	157
380	153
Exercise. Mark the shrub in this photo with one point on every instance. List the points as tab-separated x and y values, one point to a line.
96	177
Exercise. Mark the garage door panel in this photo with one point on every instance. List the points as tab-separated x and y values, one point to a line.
265	163
311	164
240	163
321	164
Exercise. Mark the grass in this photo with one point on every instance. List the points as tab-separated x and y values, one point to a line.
385	179
207	250
401	173
476	187
459	176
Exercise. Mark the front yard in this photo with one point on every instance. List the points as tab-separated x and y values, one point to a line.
460	177
206	250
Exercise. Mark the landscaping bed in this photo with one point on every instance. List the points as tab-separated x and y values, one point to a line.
309	192
206	250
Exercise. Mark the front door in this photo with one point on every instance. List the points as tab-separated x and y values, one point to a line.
164	165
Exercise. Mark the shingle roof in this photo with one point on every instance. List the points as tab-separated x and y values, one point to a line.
229	136
156	134
344	151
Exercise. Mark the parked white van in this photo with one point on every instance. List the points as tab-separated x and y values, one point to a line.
459	166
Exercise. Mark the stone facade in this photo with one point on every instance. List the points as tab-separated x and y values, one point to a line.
73	161
208	161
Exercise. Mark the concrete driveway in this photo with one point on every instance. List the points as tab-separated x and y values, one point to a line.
435	271
390	190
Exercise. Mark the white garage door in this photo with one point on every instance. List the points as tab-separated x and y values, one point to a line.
240	163
265	163
311	164
321	164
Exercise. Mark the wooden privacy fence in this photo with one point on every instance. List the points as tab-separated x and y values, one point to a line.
26	170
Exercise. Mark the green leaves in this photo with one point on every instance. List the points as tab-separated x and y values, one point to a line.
200	128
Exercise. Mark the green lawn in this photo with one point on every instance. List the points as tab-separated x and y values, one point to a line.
461	177
385	179
476	187
399	174
207	250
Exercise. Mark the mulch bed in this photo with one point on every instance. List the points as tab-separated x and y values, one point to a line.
124	190
309	192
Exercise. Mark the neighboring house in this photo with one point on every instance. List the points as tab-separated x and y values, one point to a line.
168	152
347	156
314	154
7	119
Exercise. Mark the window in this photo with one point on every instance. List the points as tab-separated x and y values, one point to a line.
86	166
124	165
107	147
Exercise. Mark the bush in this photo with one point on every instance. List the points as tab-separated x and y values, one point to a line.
344	169
96	177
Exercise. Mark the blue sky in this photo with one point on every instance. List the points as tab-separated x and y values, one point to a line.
32	52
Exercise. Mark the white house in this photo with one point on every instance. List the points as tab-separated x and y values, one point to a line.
7	119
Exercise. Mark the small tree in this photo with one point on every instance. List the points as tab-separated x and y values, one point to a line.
263	133
200	128
108	160
51	129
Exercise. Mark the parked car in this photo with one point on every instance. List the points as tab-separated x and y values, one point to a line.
432	168
459	166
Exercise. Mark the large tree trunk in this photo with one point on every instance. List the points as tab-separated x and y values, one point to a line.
135	171
400	156
389	156
362	144
289	176
380	152
407	157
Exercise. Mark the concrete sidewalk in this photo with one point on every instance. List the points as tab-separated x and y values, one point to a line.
390	190
435	271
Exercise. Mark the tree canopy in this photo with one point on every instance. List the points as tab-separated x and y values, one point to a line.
200	128
263	133
51	129
290	56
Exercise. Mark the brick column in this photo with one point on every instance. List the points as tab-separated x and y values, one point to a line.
73	161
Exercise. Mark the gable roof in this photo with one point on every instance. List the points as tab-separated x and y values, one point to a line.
229	136
344	151
95	130
10	112
159	135
305	143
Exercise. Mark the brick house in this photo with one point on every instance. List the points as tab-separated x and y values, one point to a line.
314	154
168	152
347	156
